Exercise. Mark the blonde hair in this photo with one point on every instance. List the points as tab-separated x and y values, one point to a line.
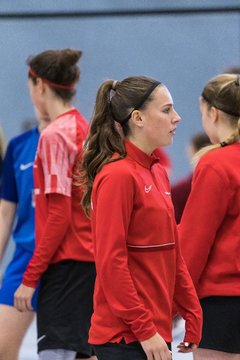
223	92
2	143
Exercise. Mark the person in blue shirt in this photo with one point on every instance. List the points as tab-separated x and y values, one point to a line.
17	220
2	151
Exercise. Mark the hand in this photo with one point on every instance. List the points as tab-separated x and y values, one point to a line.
156	348
185	347
23	297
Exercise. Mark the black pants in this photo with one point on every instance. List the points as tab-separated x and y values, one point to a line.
121	351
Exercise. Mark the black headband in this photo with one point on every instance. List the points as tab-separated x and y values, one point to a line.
218	107
141	102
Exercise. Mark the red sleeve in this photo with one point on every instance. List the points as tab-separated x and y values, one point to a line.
115	194
57	152
186	301
204	211
59	210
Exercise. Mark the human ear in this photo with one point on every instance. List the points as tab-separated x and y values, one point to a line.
40	85
136	118
214	113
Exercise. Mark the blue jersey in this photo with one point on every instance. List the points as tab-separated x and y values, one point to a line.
17	184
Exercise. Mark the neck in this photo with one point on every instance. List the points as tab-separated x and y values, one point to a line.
142	145
56	108
42	124
225	132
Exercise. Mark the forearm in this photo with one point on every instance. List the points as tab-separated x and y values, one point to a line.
7	215
58	219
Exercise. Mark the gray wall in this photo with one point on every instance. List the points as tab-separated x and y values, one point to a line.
183	50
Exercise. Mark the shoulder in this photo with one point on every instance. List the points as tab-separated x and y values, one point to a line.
119	171
26	140
217	165
22	138
221	158
67	126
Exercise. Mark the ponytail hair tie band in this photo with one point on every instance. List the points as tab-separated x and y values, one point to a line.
223	143
114	84
237	81
112	90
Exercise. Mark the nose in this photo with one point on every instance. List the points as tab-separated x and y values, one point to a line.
176	117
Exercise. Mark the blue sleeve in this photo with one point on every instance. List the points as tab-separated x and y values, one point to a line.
9	188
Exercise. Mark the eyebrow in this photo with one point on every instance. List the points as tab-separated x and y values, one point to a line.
170	104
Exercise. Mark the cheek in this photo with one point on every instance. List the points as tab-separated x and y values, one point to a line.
205	122
32	94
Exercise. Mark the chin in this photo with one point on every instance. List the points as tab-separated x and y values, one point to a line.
169	143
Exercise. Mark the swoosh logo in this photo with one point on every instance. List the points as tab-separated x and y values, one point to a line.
26	166
147	189
41	338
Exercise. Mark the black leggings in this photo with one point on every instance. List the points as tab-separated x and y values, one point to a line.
121	351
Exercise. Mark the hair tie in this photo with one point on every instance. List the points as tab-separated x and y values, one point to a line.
112	90
223	143
237	81
114	84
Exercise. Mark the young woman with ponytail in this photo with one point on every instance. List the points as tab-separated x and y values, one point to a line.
63	257
140	271
210	226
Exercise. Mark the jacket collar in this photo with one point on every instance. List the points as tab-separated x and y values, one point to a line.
140	156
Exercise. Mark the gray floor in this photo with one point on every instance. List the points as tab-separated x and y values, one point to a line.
28	351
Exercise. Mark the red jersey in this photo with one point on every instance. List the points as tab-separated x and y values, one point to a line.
140	270
59	148
210	226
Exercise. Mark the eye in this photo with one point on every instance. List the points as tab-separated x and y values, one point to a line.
167	110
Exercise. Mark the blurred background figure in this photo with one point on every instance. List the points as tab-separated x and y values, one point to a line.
2	152
232	70
63	256
180	190
17	220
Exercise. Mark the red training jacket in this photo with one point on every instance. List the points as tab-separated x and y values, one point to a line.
140	270
210	227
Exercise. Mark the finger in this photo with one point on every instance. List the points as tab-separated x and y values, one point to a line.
181	344
150	356
157	356
169	355
29	304
194	347
22	304
166	356
184	350
16	303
